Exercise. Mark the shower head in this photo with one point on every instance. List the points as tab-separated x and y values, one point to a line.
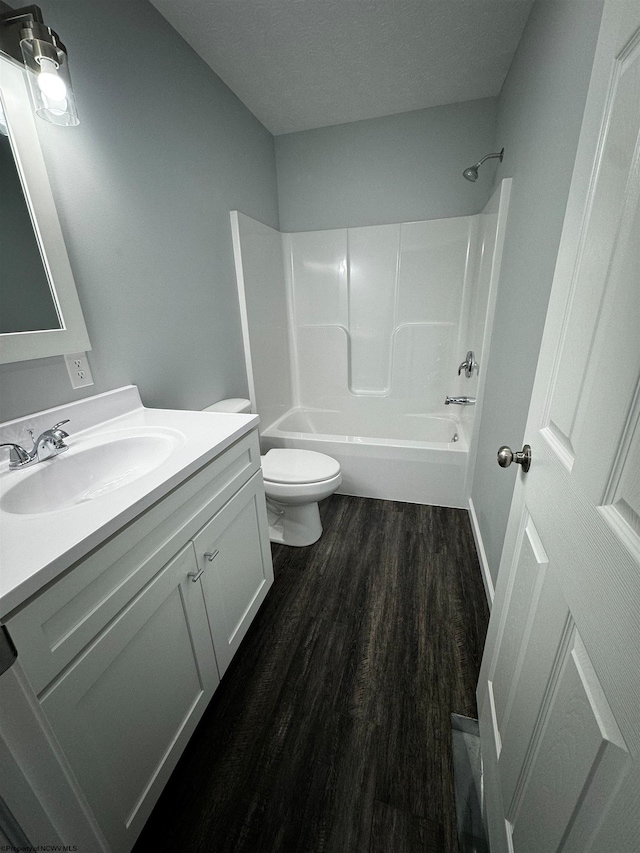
471	174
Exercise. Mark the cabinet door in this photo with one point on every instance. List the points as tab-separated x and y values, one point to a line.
234	551
124	711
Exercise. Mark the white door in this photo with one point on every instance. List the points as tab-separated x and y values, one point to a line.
559	690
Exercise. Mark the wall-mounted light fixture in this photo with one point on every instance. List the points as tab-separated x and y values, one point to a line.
25	38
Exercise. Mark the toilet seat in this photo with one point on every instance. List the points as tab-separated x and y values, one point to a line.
292	466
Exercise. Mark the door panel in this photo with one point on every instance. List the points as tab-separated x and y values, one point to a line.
528	575
608	414
621	505
135	694
539	653
576	736
559	689
604	245
239	574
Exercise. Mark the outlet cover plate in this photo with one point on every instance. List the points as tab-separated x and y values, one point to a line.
78	369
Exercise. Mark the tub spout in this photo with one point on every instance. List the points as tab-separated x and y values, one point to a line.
460	401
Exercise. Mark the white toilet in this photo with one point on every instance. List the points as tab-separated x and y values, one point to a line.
294	482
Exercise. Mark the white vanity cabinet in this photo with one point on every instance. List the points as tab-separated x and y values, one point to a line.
125	650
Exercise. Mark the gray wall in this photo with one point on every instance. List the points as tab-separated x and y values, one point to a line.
539	116
144	187
399	168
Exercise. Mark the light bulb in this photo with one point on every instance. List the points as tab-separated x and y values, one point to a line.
56	108
49	82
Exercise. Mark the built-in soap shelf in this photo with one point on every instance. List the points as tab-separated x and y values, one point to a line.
416	362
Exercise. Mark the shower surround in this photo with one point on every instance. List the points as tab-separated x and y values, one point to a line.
353	339
376	312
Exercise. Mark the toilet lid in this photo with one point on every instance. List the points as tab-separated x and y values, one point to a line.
298	466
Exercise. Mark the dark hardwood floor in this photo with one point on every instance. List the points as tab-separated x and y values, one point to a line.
331	730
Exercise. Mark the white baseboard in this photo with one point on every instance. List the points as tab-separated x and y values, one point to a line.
482	555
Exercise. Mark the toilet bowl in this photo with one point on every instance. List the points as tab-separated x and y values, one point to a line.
294	482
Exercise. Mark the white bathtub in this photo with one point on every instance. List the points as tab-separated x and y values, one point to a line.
412	458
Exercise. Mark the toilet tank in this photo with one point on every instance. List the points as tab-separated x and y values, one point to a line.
234	404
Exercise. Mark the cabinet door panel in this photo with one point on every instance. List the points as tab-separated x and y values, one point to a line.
125	710
237	579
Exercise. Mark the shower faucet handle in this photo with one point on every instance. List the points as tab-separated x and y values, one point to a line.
468	365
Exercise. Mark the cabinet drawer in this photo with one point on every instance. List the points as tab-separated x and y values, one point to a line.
56	625
125	709
234	554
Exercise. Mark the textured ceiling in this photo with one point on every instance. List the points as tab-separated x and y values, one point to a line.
300	64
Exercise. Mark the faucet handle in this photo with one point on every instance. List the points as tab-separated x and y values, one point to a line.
468	365
18	456
59	434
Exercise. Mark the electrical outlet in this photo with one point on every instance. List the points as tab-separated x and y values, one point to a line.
78	368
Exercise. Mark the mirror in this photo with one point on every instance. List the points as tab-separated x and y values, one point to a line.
34	307
40	314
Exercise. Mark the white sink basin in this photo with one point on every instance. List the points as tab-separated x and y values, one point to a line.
89	470
122	459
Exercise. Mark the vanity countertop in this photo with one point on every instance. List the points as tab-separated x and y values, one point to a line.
35	547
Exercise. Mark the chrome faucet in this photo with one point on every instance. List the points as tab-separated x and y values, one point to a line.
468	365
48	444
460	401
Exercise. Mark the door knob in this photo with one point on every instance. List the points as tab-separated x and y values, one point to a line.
522	457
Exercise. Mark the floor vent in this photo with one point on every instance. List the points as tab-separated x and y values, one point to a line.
467	768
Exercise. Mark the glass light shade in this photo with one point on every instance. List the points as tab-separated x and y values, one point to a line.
49	82
4	130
